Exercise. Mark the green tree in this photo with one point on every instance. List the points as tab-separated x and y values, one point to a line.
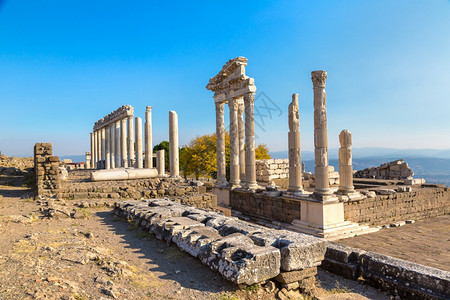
262	152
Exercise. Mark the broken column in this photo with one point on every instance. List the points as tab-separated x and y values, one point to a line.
250	164
345	163
234	143
138	131
123	141
322	188
295	167
148	138
88	160
131	157
220	145
173	145
160	162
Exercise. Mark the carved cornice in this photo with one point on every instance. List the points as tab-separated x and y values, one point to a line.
319	78
120	113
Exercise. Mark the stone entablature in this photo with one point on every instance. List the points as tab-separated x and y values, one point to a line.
121	113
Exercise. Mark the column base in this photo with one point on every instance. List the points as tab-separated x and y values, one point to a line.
221	184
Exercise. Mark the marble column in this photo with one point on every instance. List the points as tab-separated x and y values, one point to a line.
148	138
233	106
112	145
95	153
322	186
131	156
91	161
241	139
88	157
98	134
250	165
295	161
103	145
123	140
345	163
117	145
160	161
107	147
173	145
220	145
138	131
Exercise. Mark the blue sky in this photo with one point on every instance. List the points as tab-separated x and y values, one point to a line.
66	64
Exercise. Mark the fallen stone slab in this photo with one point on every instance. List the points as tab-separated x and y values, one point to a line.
195	240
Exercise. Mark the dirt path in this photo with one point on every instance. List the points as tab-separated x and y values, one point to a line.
100	256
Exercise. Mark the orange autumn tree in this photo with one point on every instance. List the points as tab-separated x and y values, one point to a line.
199	156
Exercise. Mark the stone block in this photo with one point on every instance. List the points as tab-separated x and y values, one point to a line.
295	276
194	240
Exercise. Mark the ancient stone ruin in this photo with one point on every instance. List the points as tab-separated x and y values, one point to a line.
397	169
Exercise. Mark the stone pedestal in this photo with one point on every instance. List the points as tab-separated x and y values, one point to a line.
223	196
123	141
220	145
160	162
234	144
148	138
295	168
173	145
138	131
130	142
322	187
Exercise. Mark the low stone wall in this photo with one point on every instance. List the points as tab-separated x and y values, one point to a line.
260	205
397	169
399	277
269	169
46	168
420	203
243	253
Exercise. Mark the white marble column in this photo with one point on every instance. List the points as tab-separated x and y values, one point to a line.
107	147
160	162
322	186
112	145
138	131
173	145
148	138
95	153
91	160
241	139
123	140
131	157
345	163
118	154
220	145
250	165
295	162
233	106
103	145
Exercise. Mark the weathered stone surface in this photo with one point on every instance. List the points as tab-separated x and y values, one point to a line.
240	261
195	240
295	276
397	169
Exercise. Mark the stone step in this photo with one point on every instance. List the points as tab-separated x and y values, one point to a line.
348	229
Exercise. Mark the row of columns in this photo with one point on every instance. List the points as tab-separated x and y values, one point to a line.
120	145
242	155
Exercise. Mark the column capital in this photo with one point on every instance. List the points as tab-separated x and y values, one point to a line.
148	108
319	78
220	107
249	98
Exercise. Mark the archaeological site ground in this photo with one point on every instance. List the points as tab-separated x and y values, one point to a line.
129	223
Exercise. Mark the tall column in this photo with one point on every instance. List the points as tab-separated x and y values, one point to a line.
103	144
123	140
112	145
138	131
117	145
95	154
173	144
130	142
91	161
160	161
234	143
345	163
220	145
99	149
295	161
250	165
322	186
107	147
241	139
148	138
